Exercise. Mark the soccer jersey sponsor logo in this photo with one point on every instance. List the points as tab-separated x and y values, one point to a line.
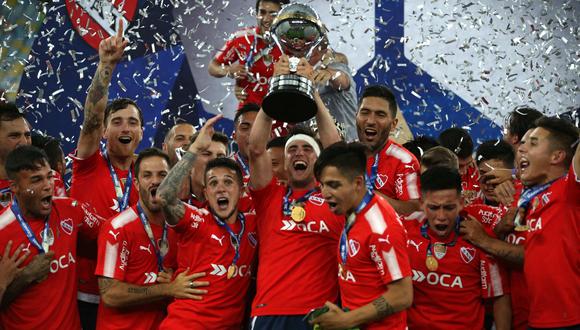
347	276
62	262
67	226
124	256
197	219
435	279
377	259
240	271
354	247
399	184
310	227
150	278
535	224
514	239
487	216
467	254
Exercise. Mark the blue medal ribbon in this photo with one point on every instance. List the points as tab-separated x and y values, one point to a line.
26	227
236	239
424	228
370	179
529	193
122	196
350	222
287	204
4	190
240	160
149	232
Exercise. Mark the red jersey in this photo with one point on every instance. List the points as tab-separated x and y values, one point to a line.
296	255
5	194
551	267
376	256
248	47
450	297
59	189
52	302
470	187
126	255
92	183
397	172
205	246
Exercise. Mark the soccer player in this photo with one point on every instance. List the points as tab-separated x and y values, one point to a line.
450	276
44	294
178	136
459	141
392	170
9	265
243	122
438	156
14	132
104	176
517	123
132	249
298	233
496	156
248	56
55	154
275	149
374	273
218	240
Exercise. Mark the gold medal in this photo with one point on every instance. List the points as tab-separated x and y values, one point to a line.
431	263
231	271
518	223
298	213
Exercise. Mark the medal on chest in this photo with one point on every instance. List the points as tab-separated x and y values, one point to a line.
298	213
431	263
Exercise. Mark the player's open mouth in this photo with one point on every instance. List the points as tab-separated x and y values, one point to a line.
441	227
370	133
223	203
125	139
46	201
154	192
300	165
524	163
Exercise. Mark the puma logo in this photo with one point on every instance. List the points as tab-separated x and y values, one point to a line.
113	234
218	239
415	244
148	248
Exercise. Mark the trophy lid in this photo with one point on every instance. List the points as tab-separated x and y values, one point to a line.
297	29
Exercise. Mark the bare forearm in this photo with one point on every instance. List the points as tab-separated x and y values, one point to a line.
326	127
170	187
510	253
339	80
119	294
502	313
217	70
260	163
402	207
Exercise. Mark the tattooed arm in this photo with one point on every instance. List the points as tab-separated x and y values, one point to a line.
110	53
398	297
120	294
173	208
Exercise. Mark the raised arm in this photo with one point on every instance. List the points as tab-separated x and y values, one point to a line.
326	128
168	191
110	53
260	164
234	70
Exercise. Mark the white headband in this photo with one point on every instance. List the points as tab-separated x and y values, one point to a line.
306	138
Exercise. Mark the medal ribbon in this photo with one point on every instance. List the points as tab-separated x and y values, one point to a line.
529	193
287	205
4	190
122	196
350	222
370	179
149	232
236	239
430	245
245	167
26	227
250	60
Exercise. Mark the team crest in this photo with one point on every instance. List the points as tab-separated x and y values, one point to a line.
439	250
252	239
316	200
67	226
381	180
96	20
467	254
354	247
5	198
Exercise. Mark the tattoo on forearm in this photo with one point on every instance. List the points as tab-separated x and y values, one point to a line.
139	290
169	188
512	254
98	90
105	284
383	307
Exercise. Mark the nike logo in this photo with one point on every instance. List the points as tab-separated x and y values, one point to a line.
218	239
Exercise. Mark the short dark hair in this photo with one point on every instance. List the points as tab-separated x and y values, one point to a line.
349	158
51	146
24	157
420	144
280	2
10	112
298	129
563	135
225	163
457	140
439	156
148	153
440	178
520	120
496	149
276	142
168	135
383	92
119	104
217	137
248	107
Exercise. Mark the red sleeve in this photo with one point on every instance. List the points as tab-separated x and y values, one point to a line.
229	52
407	182
89	221
262	197
494	277
573	186
389	252
113	253
189	224
85	166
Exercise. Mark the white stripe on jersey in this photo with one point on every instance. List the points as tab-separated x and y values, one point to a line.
412	185
400	153
6	218
495	279
111	254
393	264
124	218
375	219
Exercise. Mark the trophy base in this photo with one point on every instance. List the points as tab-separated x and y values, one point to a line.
290	99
